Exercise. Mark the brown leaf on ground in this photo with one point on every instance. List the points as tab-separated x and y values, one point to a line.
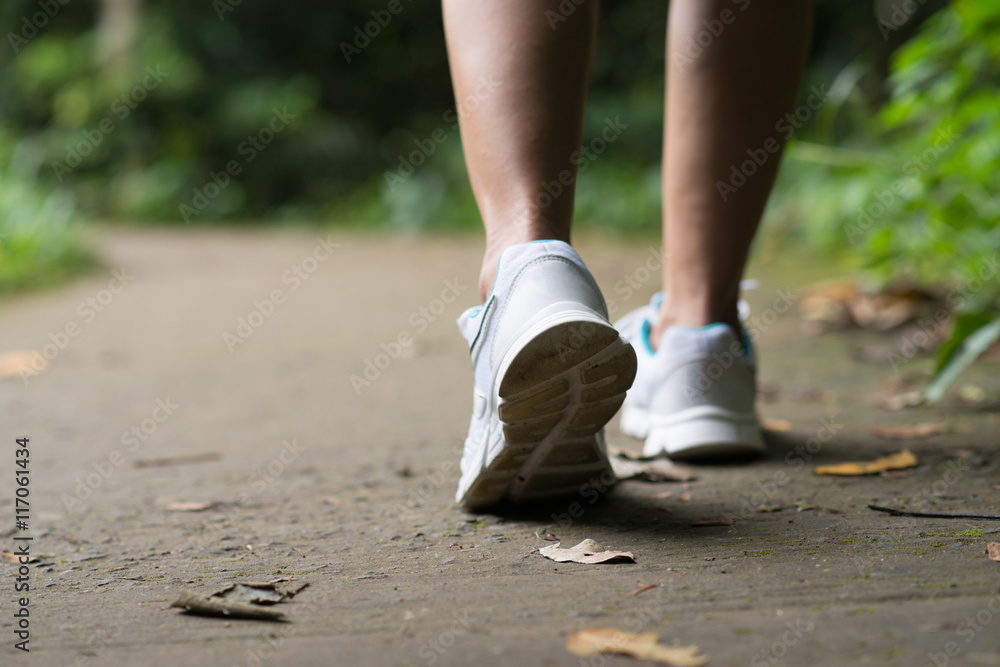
776	424
656	470
642	589
12	364
266	593
887	310
203	605
895	461
11	557
910	431
993	551
638	645
182	506
727	521
824	305
841	304
588	552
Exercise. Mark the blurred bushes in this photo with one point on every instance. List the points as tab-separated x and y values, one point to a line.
359	100
164	111
40	241
912	190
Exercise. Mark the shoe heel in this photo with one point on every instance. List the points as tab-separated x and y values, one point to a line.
707	437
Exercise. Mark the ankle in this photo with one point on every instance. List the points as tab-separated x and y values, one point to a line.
672	316
495	248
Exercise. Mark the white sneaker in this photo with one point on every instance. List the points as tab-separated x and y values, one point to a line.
550	371
693	398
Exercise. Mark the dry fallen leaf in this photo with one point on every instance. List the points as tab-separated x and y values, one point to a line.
841	304
728	521
911	431
993	551
10	557
638	645
588	552
656	470
825	304
895	461
265	593
189	506
769	424
13	363
204	605
888	309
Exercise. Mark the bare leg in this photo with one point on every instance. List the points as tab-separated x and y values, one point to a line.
524	134
721	103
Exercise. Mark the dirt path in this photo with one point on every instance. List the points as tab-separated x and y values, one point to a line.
348	484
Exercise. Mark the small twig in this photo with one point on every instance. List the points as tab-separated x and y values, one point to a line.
641	589
933	515
177	460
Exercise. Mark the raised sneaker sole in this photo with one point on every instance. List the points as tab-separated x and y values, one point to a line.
698	433
558	388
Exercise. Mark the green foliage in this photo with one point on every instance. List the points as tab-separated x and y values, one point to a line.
40	243
915	191
966	344
358	109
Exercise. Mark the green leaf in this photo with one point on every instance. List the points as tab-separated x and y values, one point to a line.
965	325
968	345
